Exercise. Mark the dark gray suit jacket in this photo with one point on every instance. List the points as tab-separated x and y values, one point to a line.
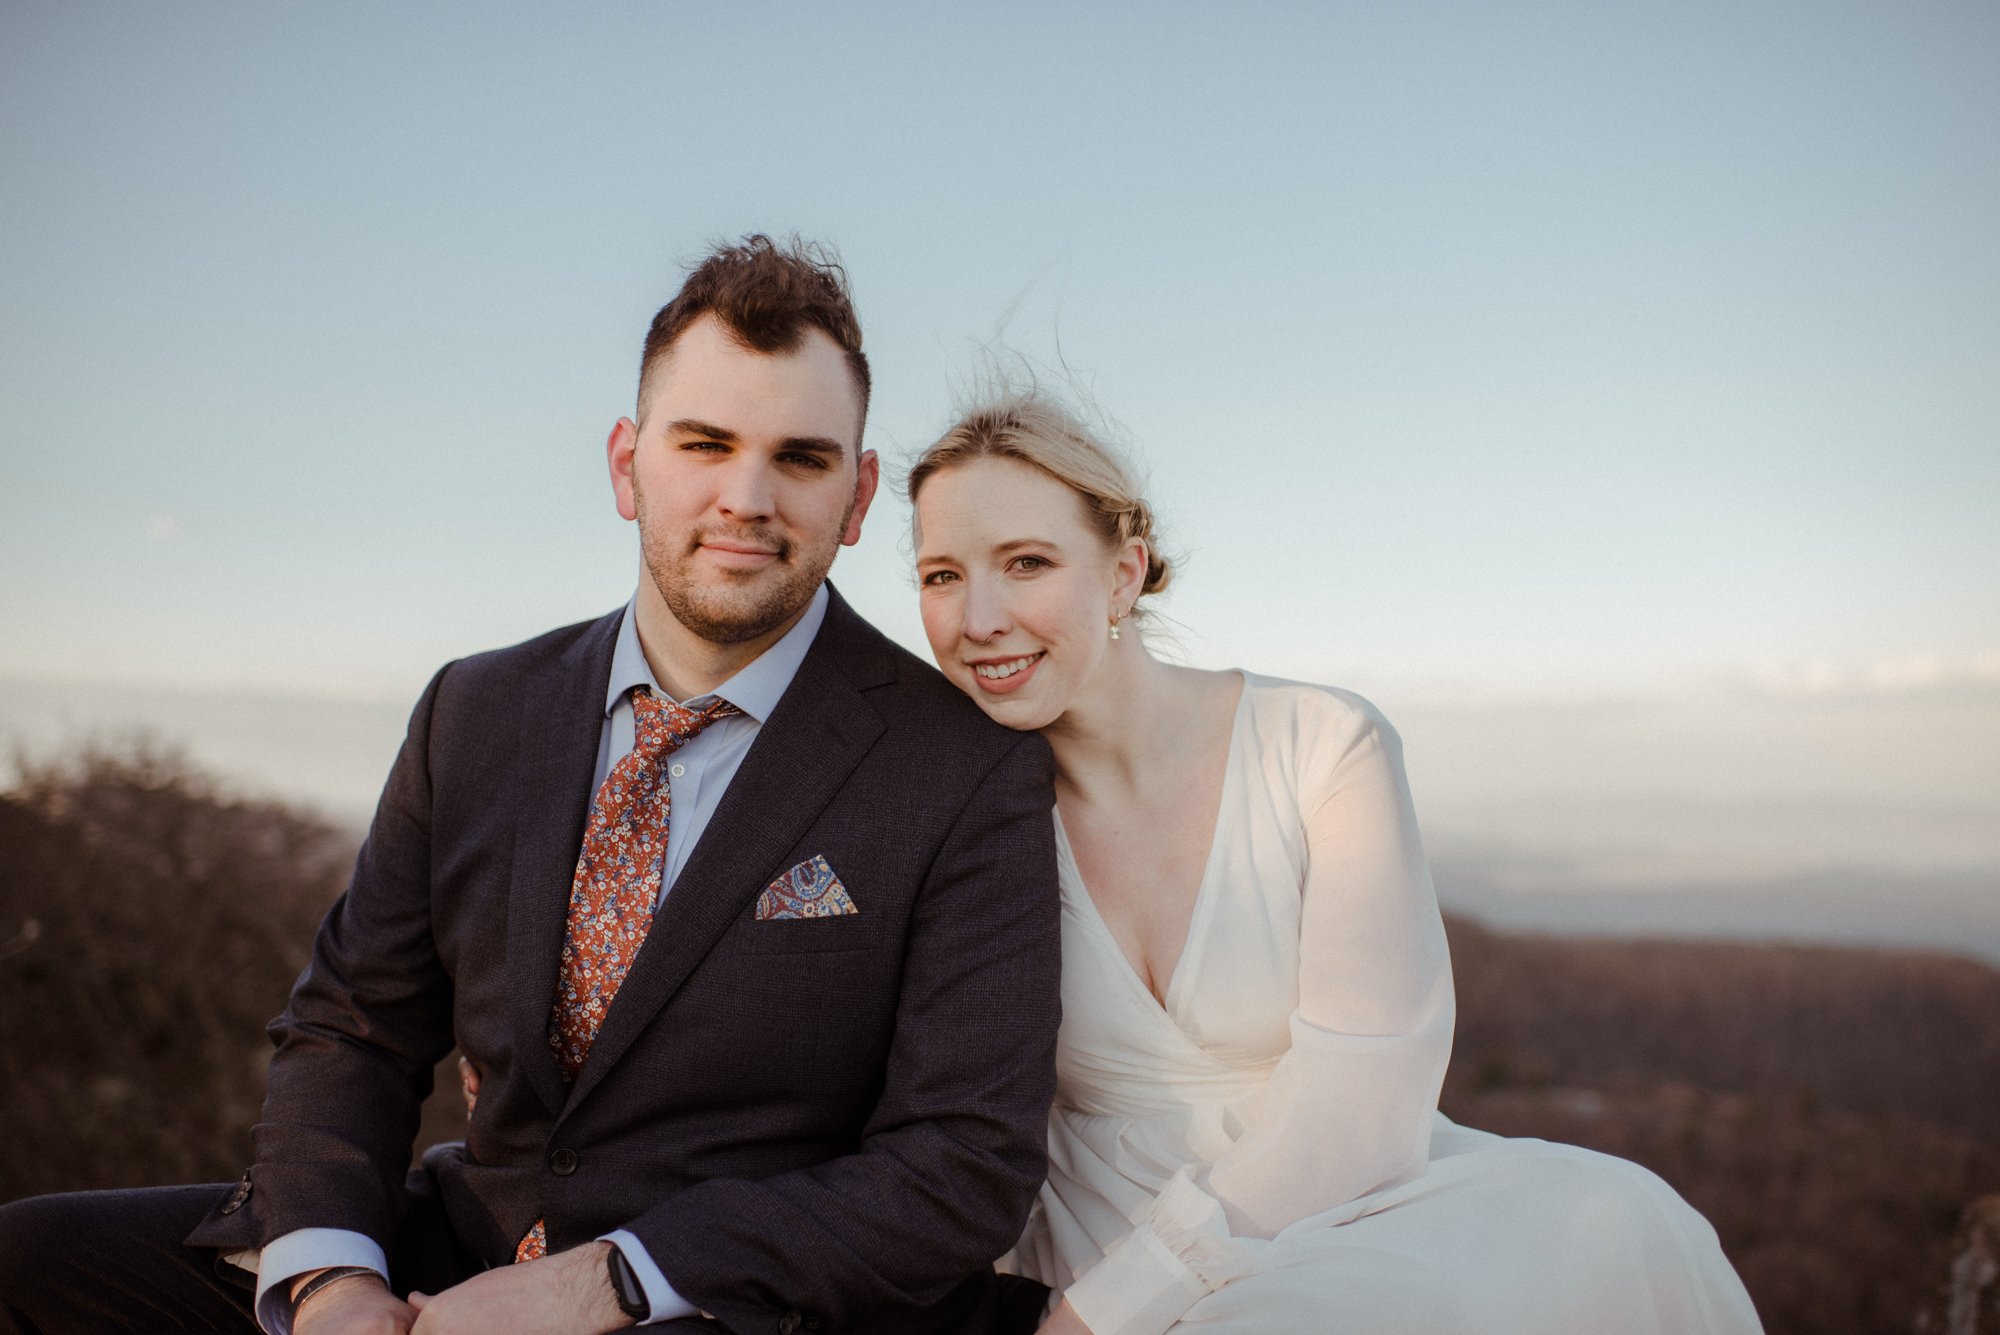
828	1123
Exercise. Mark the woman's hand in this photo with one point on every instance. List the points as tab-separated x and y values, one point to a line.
468	1080
1063	1321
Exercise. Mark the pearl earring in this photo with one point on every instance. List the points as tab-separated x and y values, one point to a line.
1114	625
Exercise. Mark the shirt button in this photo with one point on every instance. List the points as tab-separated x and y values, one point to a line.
563	1162
678	770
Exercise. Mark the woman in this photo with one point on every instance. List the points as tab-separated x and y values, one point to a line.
1257	1001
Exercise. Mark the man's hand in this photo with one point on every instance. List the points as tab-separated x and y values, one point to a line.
357	1305
565	1294
1063	1321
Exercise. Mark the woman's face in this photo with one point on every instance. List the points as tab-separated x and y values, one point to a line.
1017	587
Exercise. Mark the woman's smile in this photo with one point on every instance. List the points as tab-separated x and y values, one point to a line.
1000	675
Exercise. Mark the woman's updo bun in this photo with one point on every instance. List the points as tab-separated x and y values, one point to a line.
1035	429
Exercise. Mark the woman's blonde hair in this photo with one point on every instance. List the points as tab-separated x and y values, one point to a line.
1031	427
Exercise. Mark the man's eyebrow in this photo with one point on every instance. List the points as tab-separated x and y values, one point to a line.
688	426
693	426
813	444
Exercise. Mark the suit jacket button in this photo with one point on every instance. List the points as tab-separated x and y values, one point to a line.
563	1162
237	1197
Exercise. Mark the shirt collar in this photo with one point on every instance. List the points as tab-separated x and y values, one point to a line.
754	689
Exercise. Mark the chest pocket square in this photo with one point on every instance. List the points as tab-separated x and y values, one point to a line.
809	890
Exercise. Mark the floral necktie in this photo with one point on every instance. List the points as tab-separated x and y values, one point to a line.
617	885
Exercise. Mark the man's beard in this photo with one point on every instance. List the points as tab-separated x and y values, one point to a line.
724	610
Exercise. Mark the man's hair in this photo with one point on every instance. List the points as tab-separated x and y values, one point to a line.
767	295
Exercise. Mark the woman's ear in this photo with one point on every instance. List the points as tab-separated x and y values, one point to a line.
1130	577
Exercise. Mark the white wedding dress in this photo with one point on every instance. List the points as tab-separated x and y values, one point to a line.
1264	1152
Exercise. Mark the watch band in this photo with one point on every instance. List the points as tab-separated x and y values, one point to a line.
626	1288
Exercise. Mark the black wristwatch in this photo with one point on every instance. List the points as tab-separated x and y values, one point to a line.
626	1288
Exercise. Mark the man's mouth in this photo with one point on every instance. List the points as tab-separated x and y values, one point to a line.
743	552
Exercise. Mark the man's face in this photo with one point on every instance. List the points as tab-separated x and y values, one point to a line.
744	478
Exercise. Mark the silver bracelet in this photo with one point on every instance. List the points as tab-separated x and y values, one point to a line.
330	1276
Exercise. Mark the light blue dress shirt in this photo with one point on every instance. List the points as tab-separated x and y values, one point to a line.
697	777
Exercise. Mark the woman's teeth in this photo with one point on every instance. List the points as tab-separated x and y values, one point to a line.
995	671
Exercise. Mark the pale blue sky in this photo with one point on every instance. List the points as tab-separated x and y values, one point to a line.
1472	344
1530	353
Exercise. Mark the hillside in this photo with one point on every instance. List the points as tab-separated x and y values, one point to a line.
1832	1111
1903	1033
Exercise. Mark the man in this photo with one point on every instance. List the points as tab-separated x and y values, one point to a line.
745	919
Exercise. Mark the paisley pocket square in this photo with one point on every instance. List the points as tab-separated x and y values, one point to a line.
809	890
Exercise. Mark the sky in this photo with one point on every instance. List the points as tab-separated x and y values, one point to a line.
1608	391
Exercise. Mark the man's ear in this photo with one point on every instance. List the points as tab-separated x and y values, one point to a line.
868	479
618	452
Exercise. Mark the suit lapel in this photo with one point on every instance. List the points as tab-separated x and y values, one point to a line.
818	733
562	720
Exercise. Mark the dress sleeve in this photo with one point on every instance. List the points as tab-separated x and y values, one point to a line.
1348	1108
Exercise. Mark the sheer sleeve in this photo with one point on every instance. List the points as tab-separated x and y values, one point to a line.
1348	1108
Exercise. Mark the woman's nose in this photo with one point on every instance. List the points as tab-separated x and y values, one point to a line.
985	612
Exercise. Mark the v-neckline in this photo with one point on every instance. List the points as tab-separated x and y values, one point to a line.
1164	1002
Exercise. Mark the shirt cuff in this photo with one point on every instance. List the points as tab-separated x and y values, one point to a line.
666	1304
1139	1288
304	1249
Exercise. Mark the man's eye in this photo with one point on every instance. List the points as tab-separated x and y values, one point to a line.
704	446
803	460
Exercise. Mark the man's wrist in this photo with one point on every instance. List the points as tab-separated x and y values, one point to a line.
587	1277
666	1303
626	1289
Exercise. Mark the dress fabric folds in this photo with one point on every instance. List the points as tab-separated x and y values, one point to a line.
1263	1152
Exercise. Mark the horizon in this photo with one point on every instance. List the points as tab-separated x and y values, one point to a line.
1604	817
1606	394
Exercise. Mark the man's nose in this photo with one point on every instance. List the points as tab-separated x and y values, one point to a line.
746	492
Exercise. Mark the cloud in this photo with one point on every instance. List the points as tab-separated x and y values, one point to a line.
1905	674
165	528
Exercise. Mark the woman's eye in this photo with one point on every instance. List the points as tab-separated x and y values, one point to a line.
937	577
1031	563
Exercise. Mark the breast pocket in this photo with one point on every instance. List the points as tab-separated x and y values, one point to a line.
800	936
809	909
